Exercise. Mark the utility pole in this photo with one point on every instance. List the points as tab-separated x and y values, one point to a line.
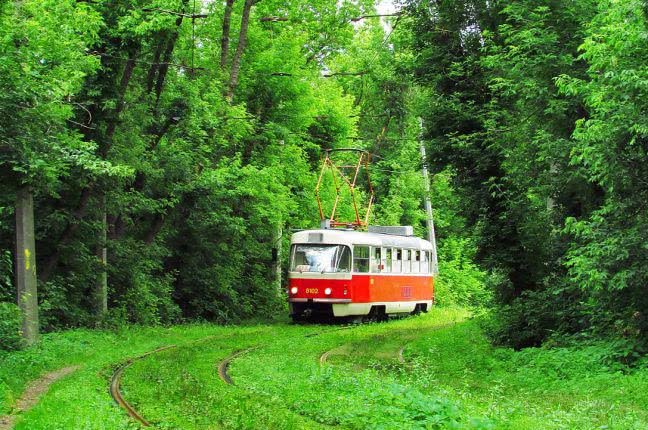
276	256
428	202
26	282
101	283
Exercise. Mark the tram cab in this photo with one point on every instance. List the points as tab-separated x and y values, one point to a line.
347	273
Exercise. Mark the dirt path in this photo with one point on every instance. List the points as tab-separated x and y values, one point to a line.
32	393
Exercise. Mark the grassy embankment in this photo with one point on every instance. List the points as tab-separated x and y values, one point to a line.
451	378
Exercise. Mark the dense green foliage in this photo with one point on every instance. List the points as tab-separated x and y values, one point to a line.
183	140
198	141
10	326
538	110
197	173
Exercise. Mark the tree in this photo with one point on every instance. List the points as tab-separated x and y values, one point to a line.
608	257
36	145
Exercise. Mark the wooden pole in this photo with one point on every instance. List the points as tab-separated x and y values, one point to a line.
26	282
276	257
428	202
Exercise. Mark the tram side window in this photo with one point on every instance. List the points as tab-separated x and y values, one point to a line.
361	259
387	260
398	260
376	258
416	261
425	268
406	261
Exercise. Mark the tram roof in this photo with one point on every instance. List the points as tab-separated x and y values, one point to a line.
352	237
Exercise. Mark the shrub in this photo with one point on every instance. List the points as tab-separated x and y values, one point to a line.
10	326
460	281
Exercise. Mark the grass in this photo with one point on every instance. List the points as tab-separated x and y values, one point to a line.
452	378
81	400
559	388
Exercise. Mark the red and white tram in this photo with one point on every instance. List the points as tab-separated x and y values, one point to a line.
346	273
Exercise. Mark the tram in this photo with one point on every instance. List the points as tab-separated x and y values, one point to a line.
346	273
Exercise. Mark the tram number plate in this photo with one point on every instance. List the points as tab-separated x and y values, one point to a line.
407	292
312	290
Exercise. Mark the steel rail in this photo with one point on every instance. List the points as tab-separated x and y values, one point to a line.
400	355
115	385
115	381
223	366
401	351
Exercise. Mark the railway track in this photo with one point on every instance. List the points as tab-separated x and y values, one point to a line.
115	383
323	359
223	366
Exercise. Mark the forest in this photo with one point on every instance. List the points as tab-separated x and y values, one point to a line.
156	155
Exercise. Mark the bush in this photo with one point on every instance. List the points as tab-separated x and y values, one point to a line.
10	326
460	281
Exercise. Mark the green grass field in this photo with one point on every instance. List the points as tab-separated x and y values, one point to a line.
451	377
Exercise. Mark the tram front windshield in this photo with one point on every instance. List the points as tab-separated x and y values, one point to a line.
320	258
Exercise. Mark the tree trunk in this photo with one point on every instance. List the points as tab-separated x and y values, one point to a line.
150	77
225	37
242	41
112	124
26	282
155	229
164	67
104	147
168	56
72	226
101	283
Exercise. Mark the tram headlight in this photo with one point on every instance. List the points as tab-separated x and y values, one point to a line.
293	290
327	291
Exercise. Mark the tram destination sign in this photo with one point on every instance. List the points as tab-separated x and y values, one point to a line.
398	230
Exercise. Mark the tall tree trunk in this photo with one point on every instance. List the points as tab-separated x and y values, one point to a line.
225	37
112	124
26	282
101	283
155	229
168	56
68	233
242	41
164	67
150	76
104	147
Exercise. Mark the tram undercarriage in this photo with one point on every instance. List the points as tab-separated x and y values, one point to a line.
318	311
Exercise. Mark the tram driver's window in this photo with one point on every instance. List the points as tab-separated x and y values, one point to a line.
361	259
344	259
